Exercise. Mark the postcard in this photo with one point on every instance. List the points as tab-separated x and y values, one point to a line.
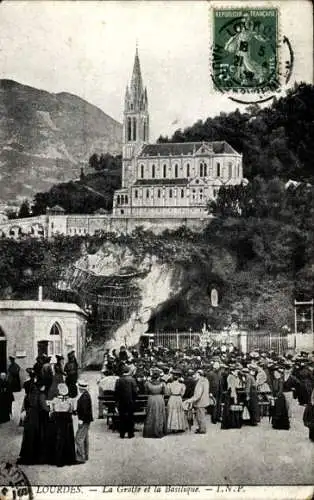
156	222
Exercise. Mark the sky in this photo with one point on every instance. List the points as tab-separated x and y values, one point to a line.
87	48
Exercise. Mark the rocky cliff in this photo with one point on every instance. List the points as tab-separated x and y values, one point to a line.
45	138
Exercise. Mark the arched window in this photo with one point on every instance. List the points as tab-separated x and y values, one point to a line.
147	193
158	193
218	170
122	199
54	345
118	199
129	129
153	171
205	170
182	193
142	171
145	131
126	199
201	169
165	170
188	170
170	193
134	129
176	170
136	193
55	329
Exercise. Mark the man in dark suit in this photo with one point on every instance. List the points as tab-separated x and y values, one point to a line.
85	417
125	394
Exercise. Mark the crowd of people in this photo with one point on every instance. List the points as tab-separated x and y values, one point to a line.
53	394
228	384
181	387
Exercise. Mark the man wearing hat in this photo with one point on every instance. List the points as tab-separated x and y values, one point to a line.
125	394
216	390
71	371
14	375
200	400
85	417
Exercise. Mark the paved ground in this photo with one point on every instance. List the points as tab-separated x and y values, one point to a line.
251	455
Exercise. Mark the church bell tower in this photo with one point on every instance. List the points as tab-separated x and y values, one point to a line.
135	123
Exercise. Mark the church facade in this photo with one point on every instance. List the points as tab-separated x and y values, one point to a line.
165	180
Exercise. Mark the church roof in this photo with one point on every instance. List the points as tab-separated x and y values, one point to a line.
161	182
185	148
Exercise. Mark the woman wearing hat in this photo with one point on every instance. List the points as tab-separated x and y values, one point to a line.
62	447
155	425
251	395
176	421
280	408
232	411
34	442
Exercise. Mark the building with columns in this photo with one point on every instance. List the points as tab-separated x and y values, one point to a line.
168	179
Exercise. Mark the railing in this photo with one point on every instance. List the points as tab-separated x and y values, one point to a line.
267	342
244	341
176	340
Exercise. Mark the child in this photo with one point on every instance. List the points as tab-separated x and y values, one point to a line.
188	410
308	417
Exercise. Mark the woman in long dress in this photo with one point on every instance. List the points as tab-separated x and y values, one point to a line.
232	410
155	425
61	439
34	442
176	419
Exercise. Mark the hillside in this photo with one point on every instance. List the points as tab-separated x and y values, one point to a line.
45	138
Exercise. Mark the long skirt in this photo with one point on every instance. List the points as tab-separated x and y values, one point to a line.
34	442
308	419
253	407
280	417
61	447
155	425
231	414
176	420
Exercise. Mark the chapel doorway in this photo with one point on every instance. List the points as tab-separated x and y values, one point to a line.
42	347
3	352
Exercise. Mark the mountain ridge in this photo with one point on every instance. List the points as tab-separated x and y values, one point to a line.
45	138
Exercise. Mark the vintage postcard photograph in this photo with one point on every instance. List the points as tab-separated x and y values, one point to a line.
156	249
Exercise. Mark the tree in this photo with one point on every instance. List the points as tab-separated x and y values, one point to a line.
93	161
24	210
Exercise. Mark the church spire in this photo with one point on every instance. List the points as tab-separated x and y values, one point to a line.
136	87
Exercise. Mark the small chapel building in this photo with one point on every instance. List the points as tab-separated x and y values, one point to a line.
29	328
165	180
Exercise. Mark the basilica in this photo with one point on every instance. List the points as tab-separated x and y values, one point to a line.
166	180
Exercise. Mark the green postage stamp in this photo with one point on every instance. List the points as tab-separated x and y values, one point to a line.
245	50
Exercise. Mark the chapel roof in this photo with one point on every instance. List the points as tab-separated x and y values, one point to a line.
184	148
